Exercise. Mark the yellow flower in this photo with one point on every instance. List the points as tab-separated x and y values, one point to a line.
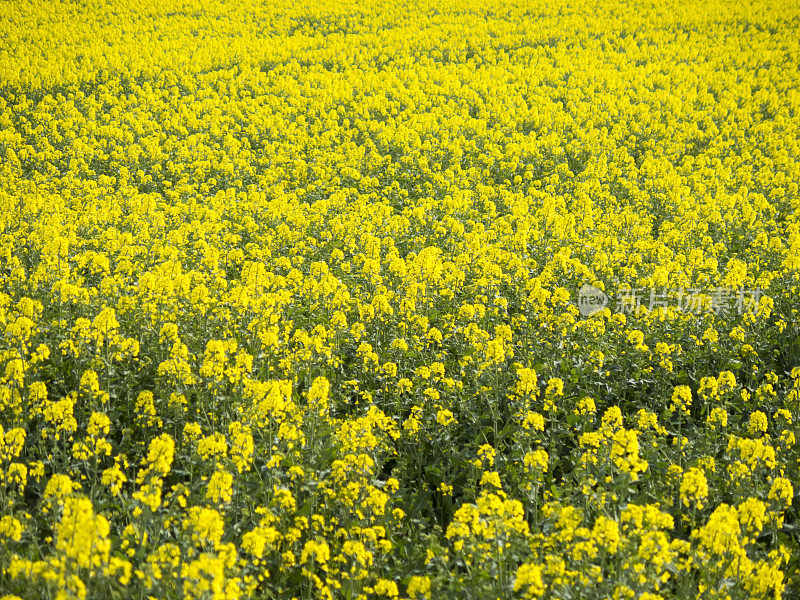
491	479
606	534
527	386
318	395
445	417
536	461
384	587
257	541
636	338
212	447
81	536
11	443
721	535
105	325
160	455
752	515
242	446
99	424
586	406
418	587
529	578
694	488
718	417
114	477
218	489
11	528
781	492
758	423
205	525
146	413
682	399
554	391
487	454
58	488
709	388
317	550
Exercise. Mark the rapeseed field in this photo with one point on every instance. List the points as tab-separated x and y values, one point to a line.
400	299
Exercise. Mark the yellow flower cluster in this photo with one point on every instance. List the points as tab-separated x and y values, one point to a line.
399	300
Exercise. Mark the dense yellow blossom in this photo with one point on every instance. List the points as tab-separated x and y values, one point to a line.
412	299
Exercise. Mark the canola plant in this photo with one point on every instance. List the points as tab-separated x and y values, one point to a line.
409	299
